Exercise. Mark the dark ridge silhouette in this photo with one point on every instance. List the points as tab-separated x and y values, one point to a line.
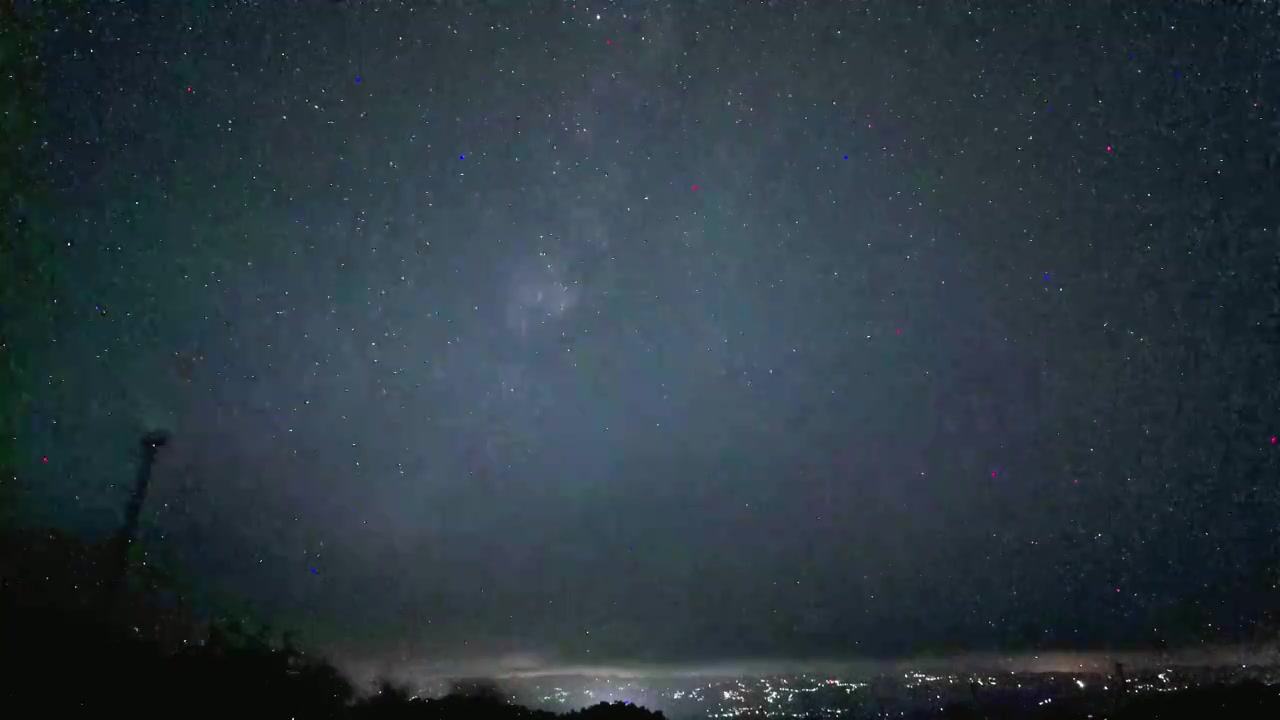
608	711
47	573
74	640
66	656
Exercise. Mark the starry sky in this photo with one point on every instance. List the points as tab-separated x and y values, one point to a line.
660	331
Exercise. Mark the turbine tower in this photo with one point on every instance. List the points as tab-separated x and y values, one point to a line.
150	445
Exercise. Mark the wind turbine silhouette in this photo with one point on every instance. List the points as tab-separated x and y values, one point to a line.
149	447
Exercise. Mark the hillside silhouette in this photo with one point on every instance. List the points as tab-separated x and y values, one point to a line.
72	649
73	646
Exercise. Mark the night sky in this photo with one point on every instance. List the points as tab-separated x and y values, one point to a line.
661	331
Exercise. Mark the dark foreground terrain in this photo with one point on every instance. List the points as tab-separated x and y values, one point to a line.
73	645
63	667
1245	700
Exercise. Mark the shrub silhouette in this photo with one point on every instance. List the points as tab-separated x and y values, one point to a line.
614	711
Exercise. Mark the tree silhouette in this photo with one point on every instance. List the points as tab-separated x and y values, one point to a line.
615	711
